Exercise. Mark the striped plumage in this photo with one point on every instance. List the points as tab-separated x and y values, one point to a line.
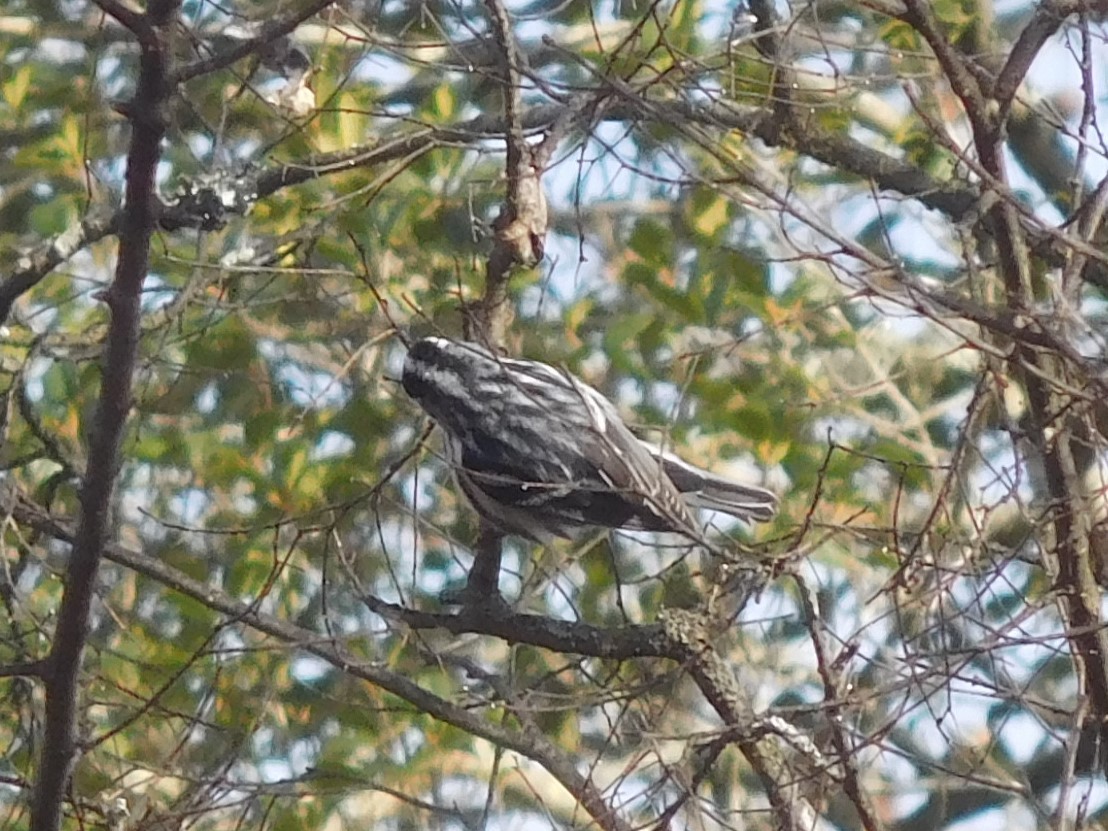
539	453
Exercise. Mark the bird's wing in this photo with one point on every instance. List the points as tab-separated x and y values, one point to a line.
703	489
628	467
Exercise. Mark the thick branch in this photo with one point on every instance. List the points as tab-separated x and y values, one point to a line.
919	15
123	300
568	637
211	202
134	21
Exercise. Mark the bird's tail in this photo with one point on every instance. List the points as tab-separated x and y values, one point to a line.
702	489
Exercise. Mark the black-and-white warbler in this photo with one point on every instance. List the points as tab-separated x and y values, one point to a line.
539	453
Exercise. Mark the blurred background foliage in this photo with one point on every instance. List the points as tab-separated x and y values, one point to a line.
735	294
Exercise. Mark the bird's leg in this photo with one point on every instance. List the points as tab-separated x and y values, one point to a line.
482	586
484	576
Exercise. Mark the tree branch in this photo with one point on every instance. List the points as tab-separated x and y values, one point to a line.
568	637
846	750
123	299
133	21
1042	374
24	669
208	203
956	70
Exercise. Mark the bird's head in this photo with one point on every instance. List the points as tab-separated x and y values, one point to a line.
444	375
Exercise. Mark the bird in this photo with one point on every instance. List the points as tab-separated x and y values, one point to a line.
540	454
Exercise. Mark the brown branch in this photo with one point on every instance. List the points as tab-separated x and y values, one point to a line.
1041	373
568	637
956	201
508	58
768	43
1088	221
1079	592
24	669
483	584
123	300
132	20
956	67
207	206
233	195
519	233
